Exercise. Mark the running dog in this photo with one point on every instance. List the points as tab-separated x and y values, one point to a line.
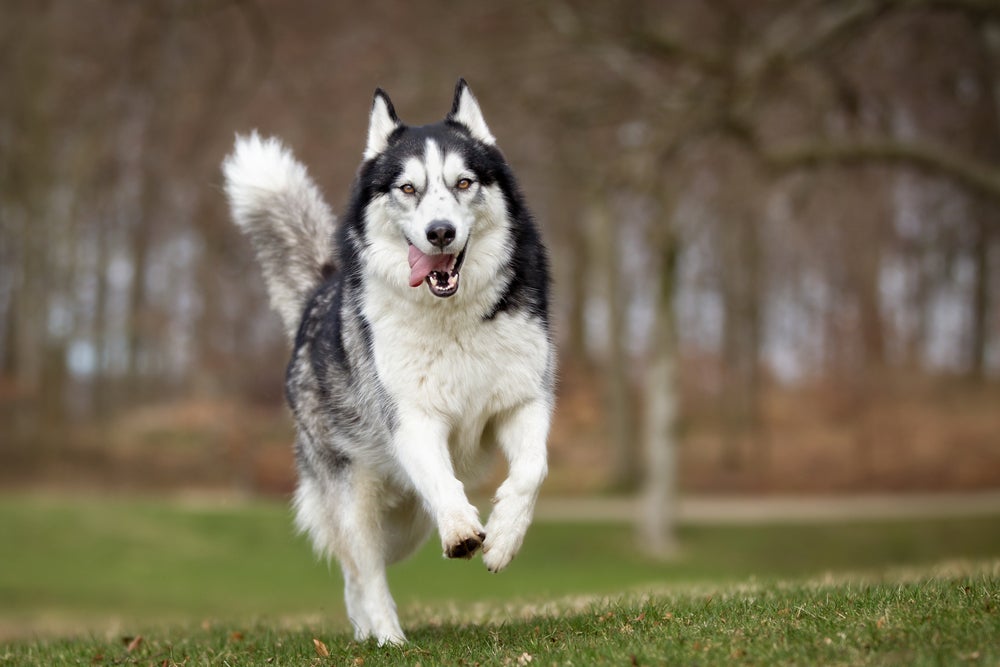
421	343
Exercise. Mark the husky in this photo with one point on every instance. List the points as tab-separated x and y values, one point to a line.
421	343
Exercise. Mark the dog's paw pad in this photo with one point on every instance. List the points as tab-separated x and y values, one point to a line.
467	547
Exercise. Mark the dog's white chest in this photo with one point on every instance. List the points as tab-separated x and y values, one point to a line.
463	372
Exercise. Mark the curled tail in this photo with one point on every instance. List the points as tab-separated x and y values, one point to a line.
275	202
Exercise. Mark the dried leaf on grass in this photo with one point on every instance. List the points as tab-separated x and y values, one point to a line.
321	649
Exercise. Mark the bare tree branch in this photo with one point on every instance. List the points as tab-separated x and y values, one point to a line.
839	26
975	8
666	47
846	21
935	159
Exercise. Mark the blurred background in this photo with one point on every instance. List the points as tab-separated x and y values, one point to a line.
815	185
775	231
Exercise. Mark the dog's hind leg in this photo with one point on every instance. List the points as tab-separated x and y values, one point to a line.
355	608
343	516
369	604
397	532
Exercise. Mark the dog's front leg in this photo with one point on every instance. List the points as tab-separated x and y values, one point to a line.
521	434
421	448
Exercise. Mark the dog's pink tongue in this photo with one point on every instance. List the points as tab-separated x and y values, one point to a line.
421	265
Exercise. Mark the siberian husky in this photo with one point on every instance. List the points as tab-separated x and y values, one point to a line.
421	343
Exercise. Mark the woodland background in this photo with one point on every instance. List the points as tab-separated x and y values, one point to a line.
775	229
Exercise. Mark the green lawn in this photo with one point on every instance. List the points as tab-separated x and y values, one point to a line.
236	586
948	618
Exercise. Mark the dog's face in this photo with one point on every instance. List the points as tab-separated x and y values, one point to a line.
434	191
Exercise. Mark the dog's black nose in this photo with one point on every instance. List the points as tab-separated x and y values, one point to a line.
440	233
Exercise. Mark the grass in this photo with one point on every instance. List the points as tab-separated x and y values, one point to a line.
945	619
80	580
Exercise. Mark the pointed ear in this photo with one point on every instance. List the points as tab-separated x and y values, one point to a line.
465	110
382	123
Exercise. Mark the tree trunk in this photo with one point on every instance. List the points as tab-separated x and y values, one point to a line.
8	365
986	130
101	384
626	464
980	324
658	521
742	338
577	291
870	305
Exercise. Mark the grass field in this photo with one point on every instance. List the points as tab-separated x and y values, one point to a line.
80	580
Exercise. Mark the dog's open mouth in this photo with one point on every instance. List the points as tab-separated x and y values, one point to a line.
440	272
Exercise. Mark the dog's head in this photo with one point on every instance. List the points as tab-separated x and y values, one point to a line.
433	191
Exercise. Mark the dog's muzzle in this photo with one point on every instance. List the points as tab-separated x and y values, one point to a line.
439	271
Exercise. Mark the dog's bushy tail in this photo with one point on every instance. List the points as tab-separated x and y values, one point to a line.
275	202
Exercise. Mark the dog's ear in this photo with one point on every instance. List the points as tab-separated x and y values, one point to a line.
465	110
382	123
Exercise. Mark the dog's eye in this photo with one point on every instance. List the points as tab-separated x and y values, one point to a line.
407	188
464	183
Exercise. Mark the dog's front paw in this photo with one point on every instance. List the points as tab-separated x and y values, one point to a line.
498	553
461	533
505	531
